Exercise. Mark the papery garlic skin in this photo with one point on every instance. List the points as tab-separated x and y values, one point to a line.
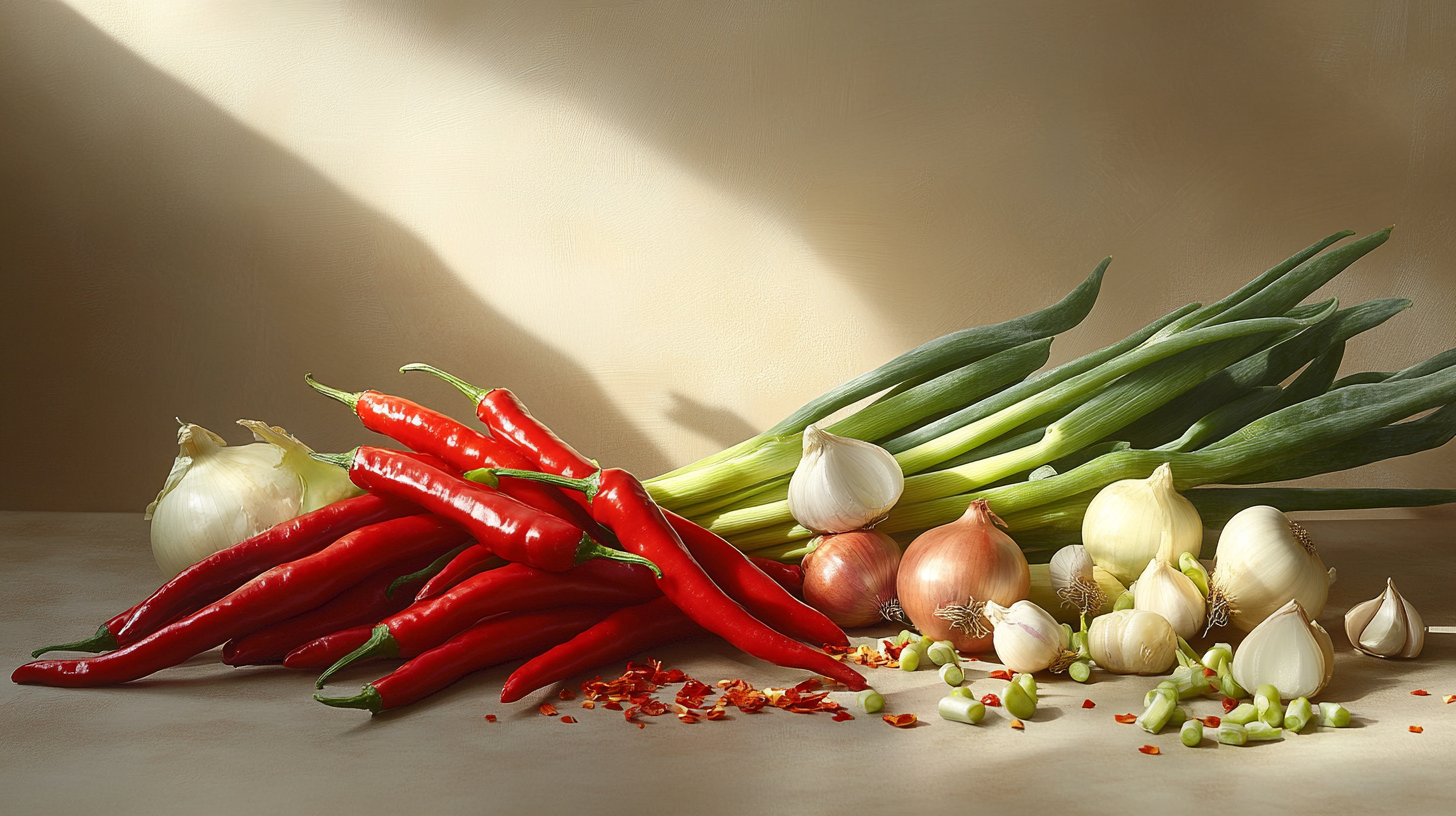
1386	626
843	484
1132	642
216	495
1126	522
1288	651
1263	561
1026	637
1064	597
1166	591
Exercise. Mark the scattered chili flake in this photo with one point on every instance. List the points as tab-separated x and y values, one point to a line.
612	705
900	720
1088	704
1207	672
566	694
686	714
1018	724
1420	693
1125	718
1449	698
490	718
547	709
991	700
716	714
1000	674
641	725
1416	729
588	704
1210	721
1150	750
841	716
568	719
1229	704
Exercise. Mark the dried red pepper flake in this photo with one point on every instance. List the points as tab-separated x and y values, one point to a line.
991	700
716	714
1150	750
1210	721
841	716
831	649
547	709
900	720
1420	693
1000	674
568	719
1229	704
1125	718
1416	729
490	718
1088	704
1207	672
1449	698
641	725
588	704
566	694
612	705
652	708
1018	724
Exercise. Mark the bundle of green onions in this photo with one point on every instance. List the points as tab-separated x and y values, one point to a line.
966	417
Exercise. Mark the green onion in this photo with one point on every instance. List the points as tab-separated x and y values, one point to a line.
952	675
909	659
870	701
1266	702
941	653
1262	732
1018	703
1243	714
957	708
1028	685
1298	715
1159	711
1333	715
1230	733
1079	671
1191	734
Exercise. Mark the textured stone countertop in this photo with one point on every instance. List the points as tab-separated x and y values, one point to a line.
207	738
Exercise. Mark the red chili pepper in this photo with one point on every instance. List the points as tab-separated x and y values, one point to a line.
788	576
498	640
729	568
513	531
226	570
276	595
364	603
621	504
473	560
512	588
321	653
458	445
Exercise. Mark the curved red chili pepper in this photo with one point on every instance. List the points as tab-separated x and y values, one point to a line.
512	588
276	595
512	530
498	640
471	561
729	568
364	603
620	635
321	653
622	505
788	576
460	446
226	570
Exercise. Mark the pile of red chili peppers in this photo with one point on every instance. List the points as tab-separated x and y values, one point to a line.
469	550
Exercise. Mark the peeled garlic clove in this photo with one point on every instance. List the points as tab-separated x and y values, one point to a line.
1288	651
1166	591
1132	642
1027	639
1263	561
843	484
1386	626
1129	522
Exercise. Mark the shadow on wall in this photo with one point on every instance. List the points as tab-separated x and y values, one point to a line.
140	223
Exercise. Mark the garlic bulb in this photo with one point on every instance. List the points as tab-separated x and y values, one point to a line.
1166	591
1287	651
1062	593
843	484
1132	642
1026	637
1387	626
216	496
1127	522
1263	561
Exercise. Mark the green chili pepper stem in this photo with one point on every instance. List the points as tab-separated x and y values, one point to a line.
475	393
589	486
102	641
589	549
349	399
380	644
368	699
344	460
433	569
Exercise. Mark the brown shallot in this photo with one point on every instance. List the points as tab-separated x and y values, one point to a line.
850	577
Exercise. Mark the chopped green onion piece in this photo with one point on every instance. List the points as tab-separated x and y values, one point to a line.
1124	601
1228	685
952	674
1266	701
957	708
1333	715
1263	732
909	660
1298	714
1158	712
1191	733
1232	733
1187	651
905	636
1018	703
1216	657
1028	684
941	652
870	701
1079	671
1243	714
1189	565
963	691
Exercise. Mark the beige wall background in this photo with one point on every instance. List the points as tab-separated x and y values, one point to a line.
664	225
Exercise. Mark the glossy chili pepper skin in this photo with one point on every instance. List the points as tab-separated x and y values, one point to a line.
364	603
788	576
323	652
226	570
276	595
471	561
488	643
728	566
512	530
620	635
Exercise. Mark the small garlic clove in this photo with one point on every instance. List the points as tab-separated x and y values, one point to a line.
1386	626
1287	651
1166	591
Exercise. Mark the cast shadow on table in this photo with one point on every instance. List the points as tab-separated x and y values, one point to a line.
165	260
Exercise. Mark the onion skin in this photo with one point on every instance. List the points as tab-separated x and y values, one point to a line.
968	560
850	577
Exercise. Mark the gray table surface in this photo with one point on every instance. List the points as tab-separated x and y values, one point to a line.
207	738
